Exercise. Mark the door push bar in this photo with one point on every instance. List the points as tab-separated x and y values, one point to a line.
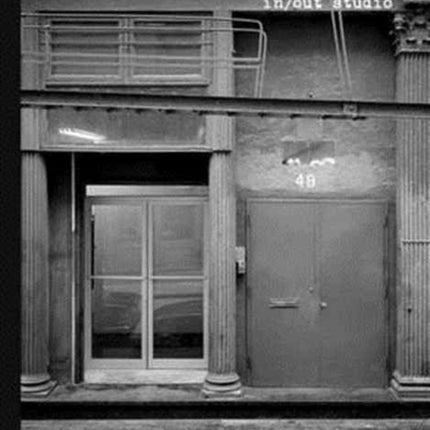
289	303
284	303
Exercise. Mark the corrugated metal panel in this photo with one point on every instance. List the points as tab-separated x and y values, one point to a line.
413	162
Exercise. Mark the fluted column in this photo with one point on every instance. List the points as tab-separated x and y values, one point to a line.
35	379
222	379
411	378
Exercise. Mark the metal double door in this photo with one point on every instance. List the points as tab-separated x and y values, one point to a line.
316	293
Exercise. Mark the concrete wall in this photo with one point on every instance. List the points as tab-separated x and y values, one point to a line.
301	63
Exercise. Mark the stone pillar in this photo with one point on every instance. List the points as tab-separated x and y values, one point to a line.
35	379
222	379
411	378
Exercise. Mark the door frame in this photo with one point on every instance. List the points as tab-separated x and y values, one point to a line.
142	370
387	268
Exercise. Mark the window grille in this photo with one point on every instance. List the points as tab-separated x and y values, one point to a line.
148	49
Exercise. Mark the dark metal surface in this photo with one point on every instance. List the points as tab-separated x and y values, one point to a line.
330	256
39	410
352	325
283	343
341	109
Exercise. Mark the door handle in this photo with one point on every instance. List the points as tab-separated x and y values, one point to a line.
323	305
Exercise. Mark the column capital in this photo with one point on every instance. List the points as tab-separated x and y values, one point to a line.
412	30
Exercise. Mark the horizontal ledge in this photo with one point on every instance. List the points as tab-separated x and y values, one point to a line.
150	377
128	149
212	105
170	191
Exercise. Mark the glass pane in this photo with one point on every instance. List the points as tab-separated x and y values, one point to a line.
178	319
178	239
96	128
116	319
117	240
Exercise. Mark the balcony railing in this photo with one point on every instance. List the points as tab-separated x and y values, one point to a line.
136	49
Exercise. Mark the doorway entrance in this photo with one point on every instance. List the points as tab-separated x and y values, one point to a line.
146	281
316	293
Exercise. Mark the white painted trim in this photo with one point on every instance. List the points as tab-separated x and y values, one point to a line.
115	191
144	286
202	363
150	262
73	283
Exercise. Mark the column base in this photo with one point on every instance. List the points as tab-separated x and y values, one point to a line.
222	385
36	385
410	387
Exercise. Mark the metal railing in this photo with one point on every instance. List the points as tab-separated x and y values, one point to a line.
129	49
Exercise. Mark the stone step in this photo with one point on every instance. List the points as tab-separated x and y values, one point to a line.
228	424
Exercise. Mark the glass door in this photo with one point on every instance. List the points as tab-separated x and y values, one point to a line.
177	284
146	283
116	284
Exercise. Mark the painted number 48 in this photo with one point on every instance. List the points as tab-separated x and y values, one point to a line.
305	181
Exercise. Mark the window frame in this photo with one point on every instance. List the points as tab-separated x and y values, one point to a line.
125	76
147	367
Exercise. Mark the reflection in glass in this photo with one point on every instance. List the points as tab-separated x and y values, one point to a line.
117	240
178	319
178	239
116	319
93	127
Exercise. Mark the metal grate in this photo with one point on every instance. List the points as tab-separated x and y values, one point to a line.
139	49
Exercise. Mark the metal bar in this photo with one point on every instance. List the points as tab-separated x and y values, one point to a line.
165	62
115	278
290	302
174	17
73	266
178	278
345	57
325	109
338	51
262	54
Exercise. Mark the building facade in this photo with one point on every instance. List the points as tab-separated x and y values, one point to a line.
187	247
